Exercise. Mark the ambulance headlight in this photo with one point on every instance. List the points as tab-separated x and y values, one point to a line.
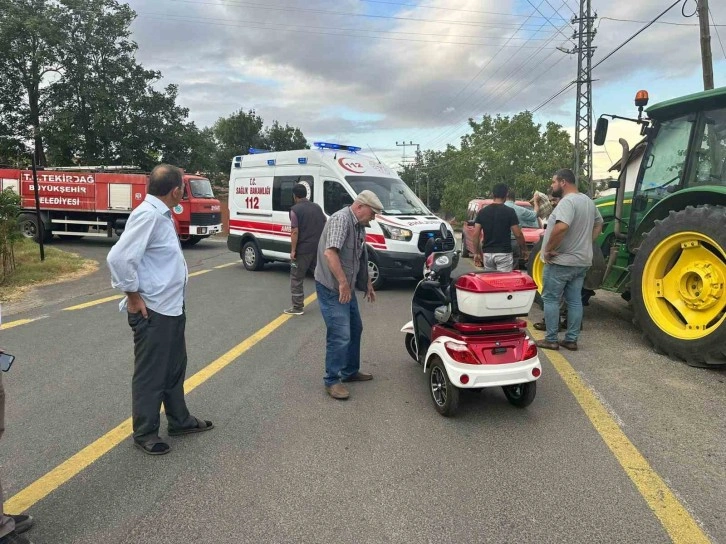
396	233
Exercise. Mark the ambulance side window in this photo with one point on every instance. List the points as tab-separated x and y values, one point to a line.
282	191
335	197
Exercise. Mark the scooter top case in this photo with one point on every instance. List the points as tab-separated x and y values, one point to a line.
495	295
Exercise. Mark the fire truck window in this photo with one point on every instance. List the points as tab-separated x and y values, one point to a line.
335	197
282	186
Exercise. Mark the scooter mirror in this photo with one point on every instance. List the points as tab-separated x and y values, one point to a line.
444	231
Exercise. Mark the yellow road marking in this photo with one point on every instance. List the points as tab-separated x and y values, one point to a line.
11	324
92	303
118	297
226	265
51	481
676	520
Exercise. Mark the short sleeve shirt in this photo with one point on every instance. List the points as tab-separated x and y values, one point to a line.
496	221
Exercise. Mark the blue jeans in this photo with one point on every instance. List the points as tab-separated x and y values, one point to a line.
342	342
561	280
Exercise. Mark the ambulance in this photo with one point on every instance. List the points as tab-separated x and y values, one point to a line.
260	198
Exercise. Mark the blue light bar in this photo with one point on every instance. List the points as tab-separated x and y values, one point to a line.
255	151
302	160
327	145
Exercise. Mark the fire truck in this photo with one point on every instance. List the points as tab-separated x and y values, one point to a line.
94	201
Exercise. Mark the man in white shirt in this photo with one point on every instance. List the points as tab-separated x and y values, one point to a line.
147	263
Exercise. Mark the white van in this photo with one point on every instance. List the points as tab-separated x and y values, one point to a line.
260	198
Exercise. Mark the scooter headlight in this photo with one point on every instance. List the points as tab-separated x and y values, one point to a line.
396	233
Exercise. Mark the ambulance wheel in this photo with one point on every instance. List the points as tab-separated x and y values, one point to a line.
520	395
444	393
411	347
464	250
374	271
28	225
252	257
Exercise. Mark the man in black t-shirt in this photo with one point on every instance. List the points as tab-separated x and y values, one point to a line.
498	222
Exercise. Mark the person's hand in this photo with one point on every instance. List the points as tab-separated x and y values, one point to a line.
136	304
525	256
547	256
370	293
478	261
292	254
344	293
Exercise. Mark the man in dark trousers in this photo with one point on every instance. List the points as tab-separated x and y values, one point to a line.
307	221
499	222
147	263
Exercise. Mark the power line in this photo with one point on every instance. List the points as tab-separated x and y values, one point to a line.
428	6
549	21
673	23
715	27
619	47
344	33
242	4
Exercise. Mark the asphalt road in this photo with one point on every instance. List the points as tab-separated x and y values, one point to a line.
286	463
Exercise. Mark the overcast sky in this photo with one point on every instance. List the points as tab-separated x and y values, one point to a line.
374	72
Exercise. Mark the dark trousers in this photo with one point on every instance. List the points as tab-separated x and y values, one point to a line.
305	262
160	365
7	524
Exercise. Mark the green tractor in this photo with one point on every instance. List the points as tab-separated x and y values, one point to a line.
664	241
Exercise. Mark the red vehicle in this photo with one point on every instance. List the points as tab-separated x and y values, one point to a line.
468	247
77	202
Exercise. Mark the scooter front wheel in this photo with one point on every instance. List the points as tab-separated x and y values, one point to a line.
444	393
520	395
411	347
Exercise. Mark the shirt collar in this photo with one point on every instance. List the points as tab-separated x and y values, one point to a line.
160	207
355	219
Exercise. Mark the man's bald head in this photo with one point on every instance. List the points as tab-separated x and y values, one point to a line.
164	179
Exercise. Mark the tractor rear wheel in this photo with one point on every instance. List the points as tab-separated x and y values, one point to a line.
535	268
679	286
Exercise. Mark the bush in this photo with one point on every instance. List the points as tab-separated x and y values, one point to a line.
9	234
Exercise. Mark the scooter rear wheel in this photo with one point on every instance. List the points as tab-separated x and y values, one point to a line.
444	393
520	395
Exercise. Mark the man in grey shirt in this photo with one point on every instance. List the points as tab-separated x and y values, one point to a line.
567	254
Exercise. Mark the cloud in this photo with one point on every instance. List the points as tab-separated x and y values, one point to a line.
363	69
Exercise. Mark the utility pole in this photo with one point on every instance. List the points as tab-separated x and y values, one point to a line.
706	57
583	113
404	160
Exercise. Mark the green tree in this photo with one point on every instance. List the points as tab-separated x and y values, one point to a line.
9	234
31	44
279	138
235	135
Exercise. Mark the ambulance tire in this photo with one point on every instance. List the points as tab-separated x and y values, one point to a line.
374	271
28	225
252	256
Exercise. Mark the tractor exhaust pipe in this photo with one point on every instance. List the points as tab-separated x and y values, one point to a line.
619	198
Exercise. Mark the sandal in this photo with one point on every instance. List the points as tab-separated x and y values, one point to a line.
153	447
201	426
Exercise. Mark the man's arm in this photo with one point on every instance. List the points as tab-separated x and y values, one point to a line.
293	242
596	230
333	260
517	231
476	240
124	258
558	233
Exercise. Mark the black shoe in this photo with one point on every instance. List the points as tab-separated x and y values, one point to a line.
23	522
14	538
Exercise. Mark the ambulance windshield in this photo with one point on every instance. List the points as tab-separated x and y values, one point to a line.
395	195
201	188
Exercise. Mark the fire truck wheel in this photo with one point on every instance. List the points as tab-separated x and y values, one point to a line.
252	257
191	241
28	225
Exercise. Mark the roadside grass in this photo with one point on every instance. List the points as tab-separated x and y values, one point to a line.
30	272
